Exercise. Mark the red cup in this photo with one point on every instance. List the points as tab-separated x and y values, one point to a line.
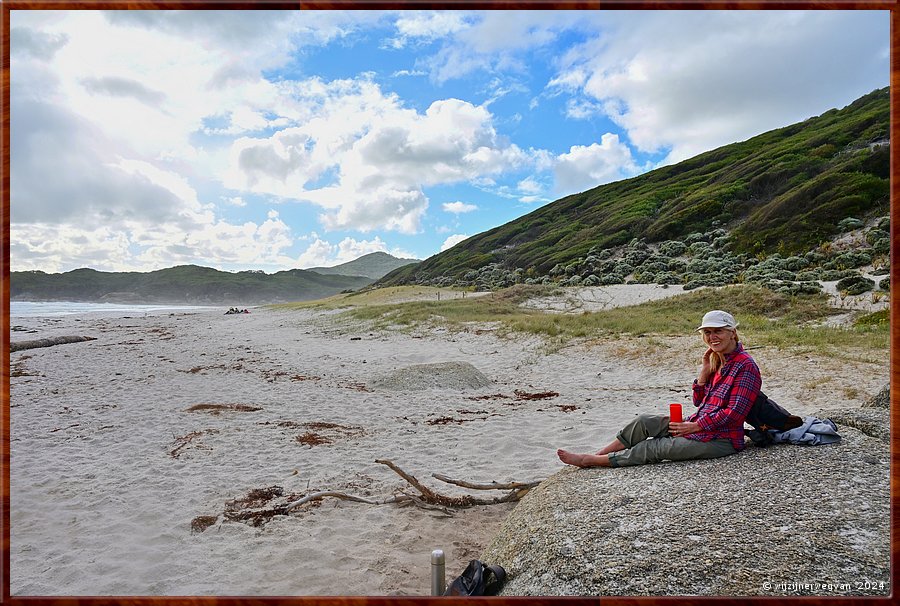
675	413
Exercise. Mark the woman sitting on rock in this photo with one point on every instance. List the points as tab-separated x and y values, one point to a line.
724	392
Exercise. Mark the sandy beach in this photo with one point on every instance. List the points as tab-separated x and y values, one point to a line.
119	443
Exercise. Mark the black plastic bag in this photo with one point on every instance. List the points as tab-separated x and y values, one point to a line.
478	579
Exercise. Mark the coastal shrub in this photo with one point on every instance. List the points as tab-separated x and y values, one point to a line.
705	280
811	287
809	275
855	285
698	247
849	260
698	266
606	253
638	244
814	257
881	270
672	248
721	242
694	238
608	279
573	281
623	268
635	257
667	277
850	223
591	280
643	277
832	275
799	288
875	234
885	284
882	246
884	224
571	269
557	270
654	266
716	234
677	265
757	275
795	263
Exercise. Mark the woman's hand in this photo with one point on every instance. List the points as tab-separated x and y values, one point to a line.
678	430
706	368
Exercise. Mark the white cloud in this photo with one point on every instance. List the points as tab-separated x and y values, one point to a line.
34	43
453	241
426	26
584	167
689	81
321	253
498	40
135	246
458	207
530	185
365	158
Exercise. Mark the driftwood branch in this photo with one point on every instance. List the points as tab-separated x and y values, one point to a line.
491	486
429	496
21	345
316	496
248	508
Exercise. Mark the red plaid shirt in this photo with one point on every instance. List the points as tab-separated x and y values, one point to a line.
725	400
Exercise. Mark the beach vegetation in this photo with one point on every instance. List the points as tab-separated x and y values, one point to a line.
789	317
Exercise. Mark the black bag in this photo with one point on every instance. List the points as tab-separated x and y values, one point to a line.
764	415
478	579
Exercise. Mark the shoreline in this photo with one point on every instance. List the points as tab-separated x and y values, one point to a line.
101	506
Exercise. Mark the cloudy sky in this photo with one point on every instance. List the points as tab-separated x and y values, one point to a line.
278	140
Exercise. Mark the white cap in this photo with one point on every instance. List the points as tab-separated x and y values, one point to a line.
718	319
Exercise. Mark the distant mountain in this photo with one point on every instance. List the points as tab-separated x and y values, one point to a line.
784	191
185	284
374	265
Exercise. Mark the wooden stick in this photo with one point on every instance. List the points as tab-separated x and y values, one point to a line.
426	492
321	495
491	486
429	496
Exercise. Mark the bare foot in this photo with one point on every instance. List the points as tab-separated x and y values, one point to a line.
582	460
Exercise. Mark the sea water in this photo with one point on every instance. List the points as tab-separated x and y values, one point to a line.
35	309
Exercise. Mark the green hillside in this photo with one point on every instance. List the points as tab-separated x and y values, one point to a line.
785	191
185	284
373	265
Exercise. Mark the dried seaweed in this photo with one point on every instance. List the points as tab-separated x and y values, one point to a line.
313	439
201	523
541	395
217	408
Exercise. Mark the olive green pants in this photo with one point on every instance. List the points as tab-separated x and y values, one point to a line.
647	440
